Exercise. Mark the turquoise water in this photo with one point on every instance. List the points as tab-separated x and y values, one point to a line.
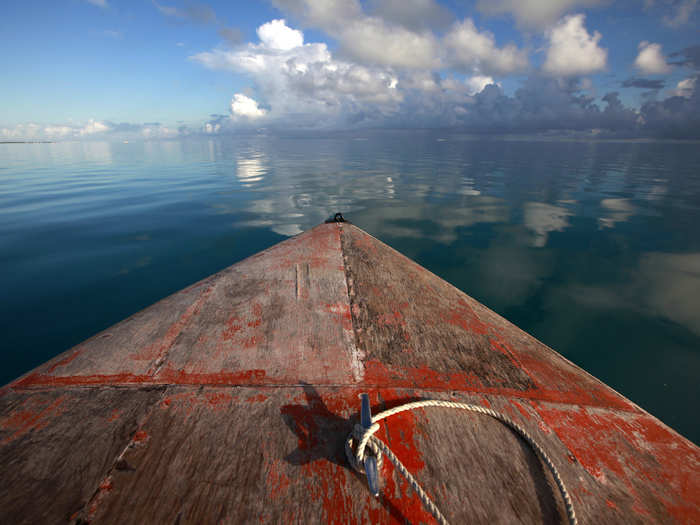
594	248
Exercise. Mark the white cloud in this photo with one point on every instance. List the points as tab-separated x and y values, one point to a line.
534	13
57	131
276	35
211	128
572	50
92	127
469	49
304	81
399	34
477	83
651	60
158	131
369	40
372	41
685	88
246	107
99	3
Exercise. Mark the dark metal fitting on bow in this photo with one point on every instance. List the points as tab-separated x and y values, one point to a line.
370	461
338	217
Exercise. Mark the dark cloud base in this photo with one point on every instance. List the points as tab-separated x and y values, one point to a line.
541	106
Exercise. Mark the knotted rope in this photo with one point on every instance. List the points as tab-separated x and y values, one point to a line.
366	439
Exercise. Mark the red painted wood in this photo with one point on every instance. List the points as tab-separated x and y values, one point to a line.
230	401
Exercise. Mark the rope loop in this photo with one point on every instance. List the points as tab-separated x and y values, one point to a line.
366	440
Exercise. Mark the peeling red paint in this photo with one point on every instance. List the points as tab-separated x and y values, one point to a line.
64	361
77	380
157	350
464	317
485	402
391	319
342	314
277	480
607	443
106	486
258	398
140	436
520	408
34	416
377	374
232	328
168	375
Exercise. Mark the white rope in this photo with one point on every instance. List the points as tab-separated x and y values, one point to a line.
366	439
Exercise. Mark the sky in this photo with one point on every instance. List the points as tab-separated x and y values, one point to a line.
96	69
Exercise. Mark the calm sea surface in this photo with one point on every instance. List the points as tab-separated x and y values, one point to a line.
594	248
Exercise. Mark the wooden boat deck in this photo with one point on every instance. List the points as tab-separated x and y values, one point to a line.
230	401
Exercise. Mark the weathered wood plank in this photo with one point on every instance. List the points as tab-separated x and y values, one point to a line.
231	455
417	330
276	455
280	316
57	445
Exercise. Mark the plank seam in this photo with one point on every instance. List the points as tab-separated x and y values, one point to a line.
357	354
90	507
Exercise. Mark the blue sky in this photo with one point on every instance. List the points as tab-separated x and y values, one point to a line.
94	68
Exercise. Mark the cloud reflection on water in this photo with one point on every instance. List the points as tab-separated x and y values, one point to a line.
542	218
615	210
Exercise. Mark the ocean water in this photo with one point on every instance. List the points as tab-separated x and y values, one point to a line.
593	247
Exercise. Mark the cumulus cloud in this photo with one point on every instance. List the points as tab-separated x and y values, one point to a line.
546	104
572	50
245	107
676	116
651	60
685	88
276	35
92	127
303	81
469	49
400	34
534	13
302	85
373	41
477	83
